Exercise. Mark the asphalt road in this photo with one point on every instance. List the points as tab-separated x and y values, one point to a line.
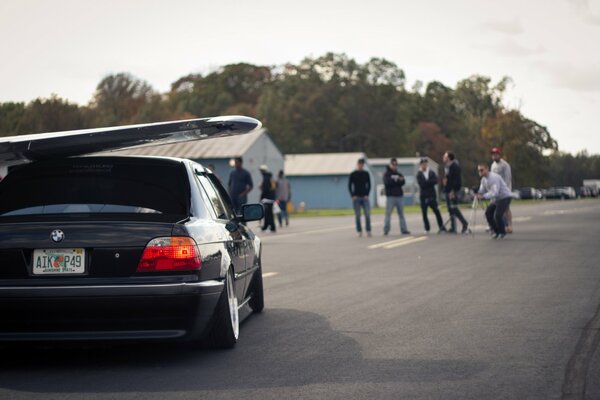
394	317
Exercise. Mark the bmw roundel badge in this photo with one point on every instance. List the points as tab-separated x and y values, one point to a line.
57	236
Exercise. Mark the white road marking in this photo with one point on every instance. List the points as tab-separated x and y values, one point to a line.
569	211
269	274
521	219
413	240
270	236
558	212
477	227
397	243
383	244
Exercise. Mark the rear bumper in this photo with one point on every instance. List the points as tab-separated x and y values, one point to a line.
152	289
180	310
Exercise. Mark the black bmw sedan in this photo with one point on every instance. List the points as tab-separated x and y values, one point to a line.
120	248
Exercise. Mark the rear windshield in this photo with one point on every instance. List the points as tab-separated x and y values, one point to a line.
96	186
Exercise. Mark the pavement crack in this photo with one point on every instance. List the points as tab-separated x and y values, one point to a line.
575	381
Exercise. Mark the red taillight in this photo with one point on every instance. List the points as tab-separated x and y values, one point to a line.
176	253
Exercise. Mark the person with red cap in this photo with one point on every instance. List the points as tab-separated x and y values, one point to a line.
502	168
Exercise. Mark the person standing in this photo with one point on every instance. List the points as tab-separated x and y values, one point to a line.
393	182
283	194
493	188
502	168
239	185
359	185
451	189
267	197
427	179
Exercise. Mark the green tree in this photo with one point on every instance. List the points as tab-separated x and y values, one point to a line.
233	89
10	118
123	99
50	115
523	142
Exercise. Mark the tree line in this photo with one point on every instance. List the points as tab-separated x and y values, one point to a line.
331	103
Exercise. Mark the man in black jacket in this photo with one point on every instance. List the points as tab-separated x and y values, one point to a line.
393	181
452	188
427	179
359	185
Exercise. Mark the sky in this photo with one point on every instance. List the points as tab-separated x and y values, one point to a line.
549	48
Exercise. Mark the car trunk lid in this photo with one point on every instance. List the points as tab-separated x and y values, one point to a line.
24	244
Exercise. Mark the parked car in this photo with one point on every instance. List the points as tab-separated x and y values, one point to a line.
530	193
588	191
121	248
565	192
584	191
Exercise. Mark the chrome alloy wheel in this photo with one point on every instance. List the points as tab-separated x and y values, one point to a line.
233	306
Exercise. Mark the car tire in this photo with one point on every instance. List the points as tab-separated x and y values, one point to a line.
225	329
257	301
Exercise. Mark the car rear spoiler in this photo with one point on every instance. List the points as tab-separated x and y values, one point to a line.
15	150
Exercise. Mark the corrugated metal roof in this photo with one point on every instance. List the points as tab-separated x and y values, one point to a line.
225	147
321	163
401	160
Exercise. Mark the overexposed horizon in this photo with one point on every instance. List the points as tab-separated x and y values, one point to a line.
548	49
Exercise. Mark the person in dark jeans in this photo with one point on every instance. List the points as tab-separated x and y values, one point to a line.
451	189
267	198
393	181
359	185
493	188
427	179
239	185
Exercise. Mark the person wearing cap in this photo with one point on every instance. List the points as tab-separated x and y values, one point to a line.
453	183
427	179
239	185
359	185
502	168
393	181
493	188
267	198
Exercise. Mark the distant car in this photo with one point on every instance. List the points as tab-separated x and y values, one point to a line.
588	191
530	193
585	191
565	192
121	248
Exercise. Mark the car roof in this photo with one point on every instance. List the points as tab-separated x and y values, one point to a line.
15	150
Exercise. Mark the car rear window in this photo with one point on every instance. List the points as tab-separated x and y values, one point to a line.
90	185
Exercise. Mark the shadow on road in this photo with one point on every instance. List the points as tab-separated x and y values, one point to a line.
279	348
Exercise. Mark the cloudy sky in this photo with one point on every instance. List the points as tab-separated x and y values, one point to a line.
550	48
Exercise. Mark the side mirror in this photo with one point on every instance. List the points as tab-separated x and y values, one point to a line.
252	212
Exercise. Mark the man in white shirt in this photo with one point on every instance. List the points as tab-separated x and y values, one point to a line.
502	168
493	188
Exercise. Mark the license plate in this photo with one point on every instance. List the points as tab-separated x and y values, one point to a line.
58	261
